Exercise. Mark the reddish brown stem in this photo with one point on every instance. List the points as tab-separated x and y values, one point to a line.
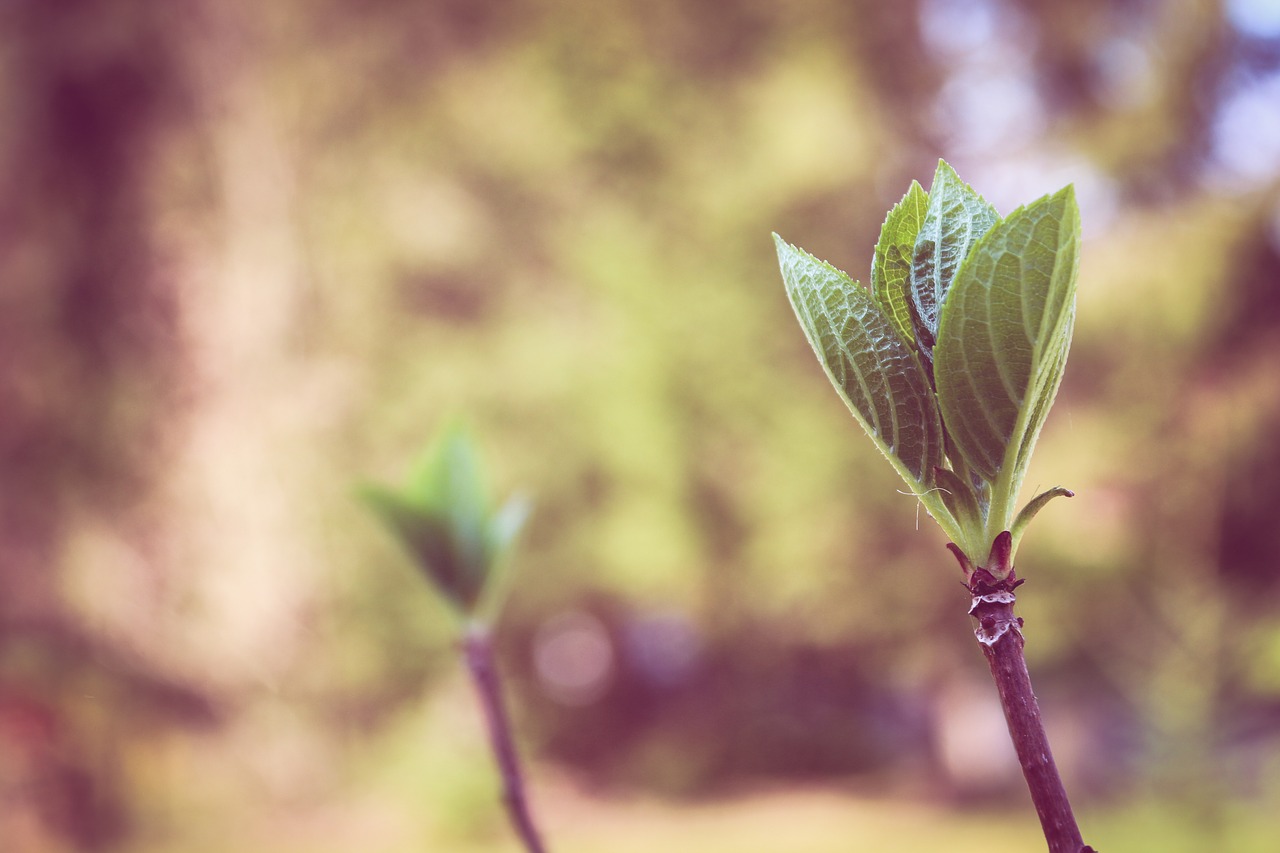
999	632
478	650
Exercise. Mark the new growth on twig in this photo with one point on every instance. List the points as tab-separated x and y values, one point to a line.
447	523
950	361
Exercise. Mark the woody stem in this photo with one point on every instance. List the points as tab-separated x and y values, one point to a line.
999	632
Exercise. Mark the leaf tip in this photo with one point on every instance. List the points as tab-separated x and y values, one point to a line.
1000	561
966	565
783	248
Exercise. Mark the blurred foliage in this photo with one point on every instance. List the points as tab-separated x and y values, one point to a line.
252	254
445	519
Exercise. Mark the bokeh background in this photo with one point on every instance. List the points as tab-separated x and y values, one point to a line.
254	254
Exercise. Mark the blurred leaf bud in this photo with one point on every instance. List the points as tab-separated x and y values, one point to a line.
446	520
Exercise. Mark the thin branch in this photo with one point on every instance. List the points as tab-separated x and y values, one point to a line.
478	651
999	633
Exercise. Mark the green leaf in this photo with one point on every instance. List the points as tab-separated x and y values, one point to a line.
444	519
1003	337
449	481
957	217
891	264
1034	506
959	499
503	528
1043	395
434	545
506	525
875	372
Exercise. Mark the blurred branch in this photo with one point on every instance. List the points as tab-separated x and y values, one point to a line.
478	651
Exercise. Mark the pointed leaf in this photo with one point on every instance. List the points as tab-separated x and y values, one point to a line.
504	526
450	471
891	264
956	219
966	564
449	481
1000	560
878	376
1004	334
1034	506
428	538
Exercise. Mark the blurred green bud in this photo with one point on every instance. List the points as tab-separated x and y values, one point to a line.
446	521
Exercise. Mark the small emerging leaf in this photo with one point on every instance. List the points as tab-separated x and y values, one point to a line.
1000	560
875	372
504	526
445	520
448	480
966	565
459	577
955	220
893	258
1034	506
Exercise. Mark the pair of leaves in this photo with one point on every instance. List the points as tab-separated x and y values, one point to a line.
924	239
978	308
446	522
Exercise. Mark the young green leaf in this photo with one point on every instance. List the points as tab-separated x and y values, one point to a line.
446	522
876	373
955	220
501	533
1004	333
434	544
1044	391
448	480
1034	506
893	258
960	501
506	524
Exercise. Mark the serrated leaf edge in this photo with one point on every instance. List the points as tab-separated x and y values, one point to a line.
894	299
925	331
872	429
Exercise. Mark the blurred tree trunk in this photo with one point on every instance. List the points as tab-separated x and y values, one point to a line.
89	333
90	356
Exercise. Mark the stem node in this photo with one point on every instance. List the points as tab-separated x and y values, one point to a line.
999	632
